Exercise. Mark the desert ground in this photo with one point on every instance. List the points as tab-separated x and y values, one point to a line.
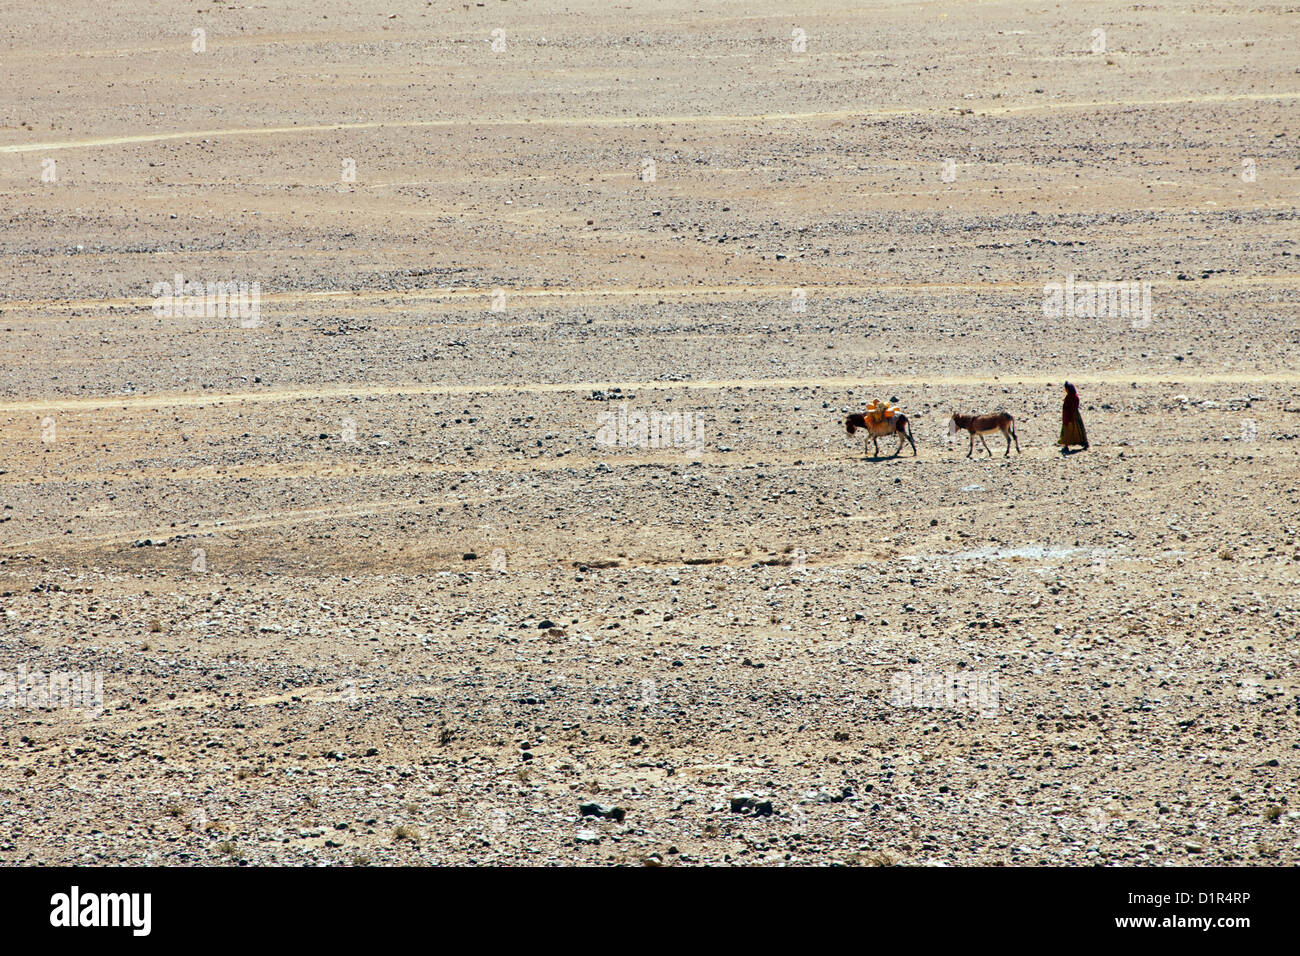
369	576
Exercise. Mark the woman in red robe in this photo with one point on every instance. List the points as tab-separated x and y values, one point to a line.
1072	432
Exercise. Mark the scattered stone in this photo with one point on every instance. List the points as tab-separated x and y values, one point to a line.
601	810
750	805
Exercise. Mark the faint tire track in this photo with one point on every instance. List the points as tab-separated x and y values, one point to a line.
369	390
751	119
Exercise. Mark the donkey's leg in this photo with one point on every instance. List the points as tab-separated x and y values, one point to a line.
900	444
972	444
986	446
1006	433
1016	437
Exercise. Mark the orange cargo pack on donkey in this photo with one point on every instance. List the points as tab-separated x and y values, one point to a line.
880	419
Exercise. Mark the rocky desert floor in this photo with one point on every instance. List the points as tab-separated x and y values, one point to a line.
367	580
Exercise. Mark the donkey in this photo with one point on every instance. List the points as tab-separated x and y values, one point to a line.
895	424
982	425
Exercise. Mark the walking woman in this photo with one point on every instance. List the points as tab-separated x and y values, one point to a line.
1072	432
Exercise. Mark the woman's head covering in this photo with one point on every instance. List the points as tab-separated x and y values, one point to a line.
1069	388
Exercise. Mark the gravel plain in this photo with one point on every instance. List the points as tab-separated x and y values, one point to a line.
375	576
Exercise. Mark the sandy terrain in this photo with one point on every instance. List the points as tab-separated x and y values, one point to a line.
372	576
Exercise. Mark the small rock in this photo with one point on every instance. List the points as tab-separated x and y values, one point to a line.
750	805
602	810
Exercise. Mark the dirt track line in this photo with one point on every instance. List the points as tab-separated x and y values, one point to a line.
361	389
813	457
263	520
835	456
456	321
484	293
631	121
723	291
340	469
